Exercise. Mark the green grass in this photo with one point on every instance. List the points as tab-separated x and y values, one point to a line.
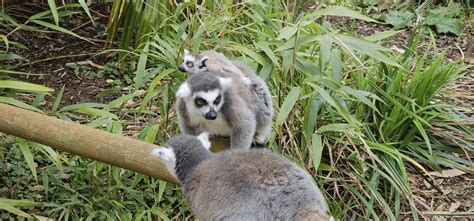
355	115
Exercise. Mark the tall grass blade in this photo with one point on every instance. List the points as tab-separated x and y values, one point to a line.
26	151
287	105
54	10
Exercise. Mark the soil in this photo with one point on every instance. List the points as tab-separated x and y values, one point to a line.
80	89
50	46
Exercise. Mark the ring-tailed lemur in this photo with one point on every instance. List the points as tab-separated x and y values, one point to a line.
221	66
217	105
254	184
213	62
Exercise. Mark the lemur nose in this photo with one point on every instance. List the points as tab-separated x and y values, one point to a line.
211	115
181	68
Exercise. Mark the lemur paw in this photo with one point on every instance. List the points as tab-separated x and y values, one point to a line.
164	153
204	138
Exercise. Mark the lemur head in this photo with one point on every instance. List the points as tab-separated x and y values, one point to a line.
181	153
204	93
193	63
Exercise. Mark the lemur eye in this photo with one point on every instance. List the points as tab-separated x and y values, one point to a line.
200	102
189	64
217	100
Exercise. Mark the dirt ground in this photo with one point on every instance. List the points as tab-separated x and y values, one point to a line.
58	51
444	194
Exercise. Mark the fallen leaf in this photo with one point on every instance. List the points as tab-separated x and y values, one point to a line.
94	64
454	206
397	49
447	173
42	218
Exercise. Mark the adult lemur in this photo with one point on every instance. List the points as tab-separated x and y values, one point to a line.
217	105
242	75
254	184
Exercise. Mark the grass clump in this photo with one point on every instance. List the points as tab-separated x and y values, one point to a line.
359	118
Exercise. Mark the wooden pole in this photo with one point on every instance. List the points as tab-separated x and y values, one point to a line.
84	141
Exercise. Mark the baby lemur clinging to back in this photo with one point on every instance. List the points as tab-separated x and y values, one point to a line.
253	184
244	78
213	62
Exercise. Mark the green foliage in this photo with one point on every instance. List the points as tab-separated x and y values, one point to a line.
397	18
446	19
443	19
349	111
135	19
118	76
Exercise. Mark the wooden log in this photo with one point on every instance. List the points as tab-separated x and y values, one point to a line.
84	141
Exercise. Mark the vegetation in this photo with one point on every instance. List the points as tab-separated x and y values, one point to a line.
359	117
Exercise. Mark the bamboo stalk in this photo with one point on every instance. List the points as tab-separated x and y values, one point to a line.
84	141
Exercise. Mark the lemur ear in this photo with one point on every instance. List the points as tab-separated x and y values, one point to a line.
204	138
184	90
225	83
204	62
186	52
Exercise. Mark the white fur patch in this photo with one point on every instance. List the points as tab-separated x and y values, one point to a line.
204	138
218	127
246	80
168	156
184	90
189	57
186	52
225	83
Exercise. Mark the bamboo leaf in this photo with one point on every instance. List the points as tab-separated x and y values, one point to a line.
60	29
288	105
287	32
96	112
139	78
11	209
342	11
54	10
424	135
23	86
9	56
81	105
269	53
56	102
336	127
26	151
317	145
14	102
86	9
381	35
9	19
257	57
366	47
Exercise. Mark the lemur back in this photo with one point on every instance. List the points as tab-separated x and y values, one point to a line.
253	184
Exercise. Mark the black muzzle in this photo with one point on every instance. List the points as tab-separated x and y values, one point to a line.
211	115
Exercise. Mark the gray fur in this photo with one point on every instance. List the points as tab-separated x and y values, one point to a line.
260	96
235	116
213	62
253	184
262	101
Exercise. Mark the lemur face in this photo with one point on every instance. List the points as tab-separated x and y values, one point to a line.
207	102
193	63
